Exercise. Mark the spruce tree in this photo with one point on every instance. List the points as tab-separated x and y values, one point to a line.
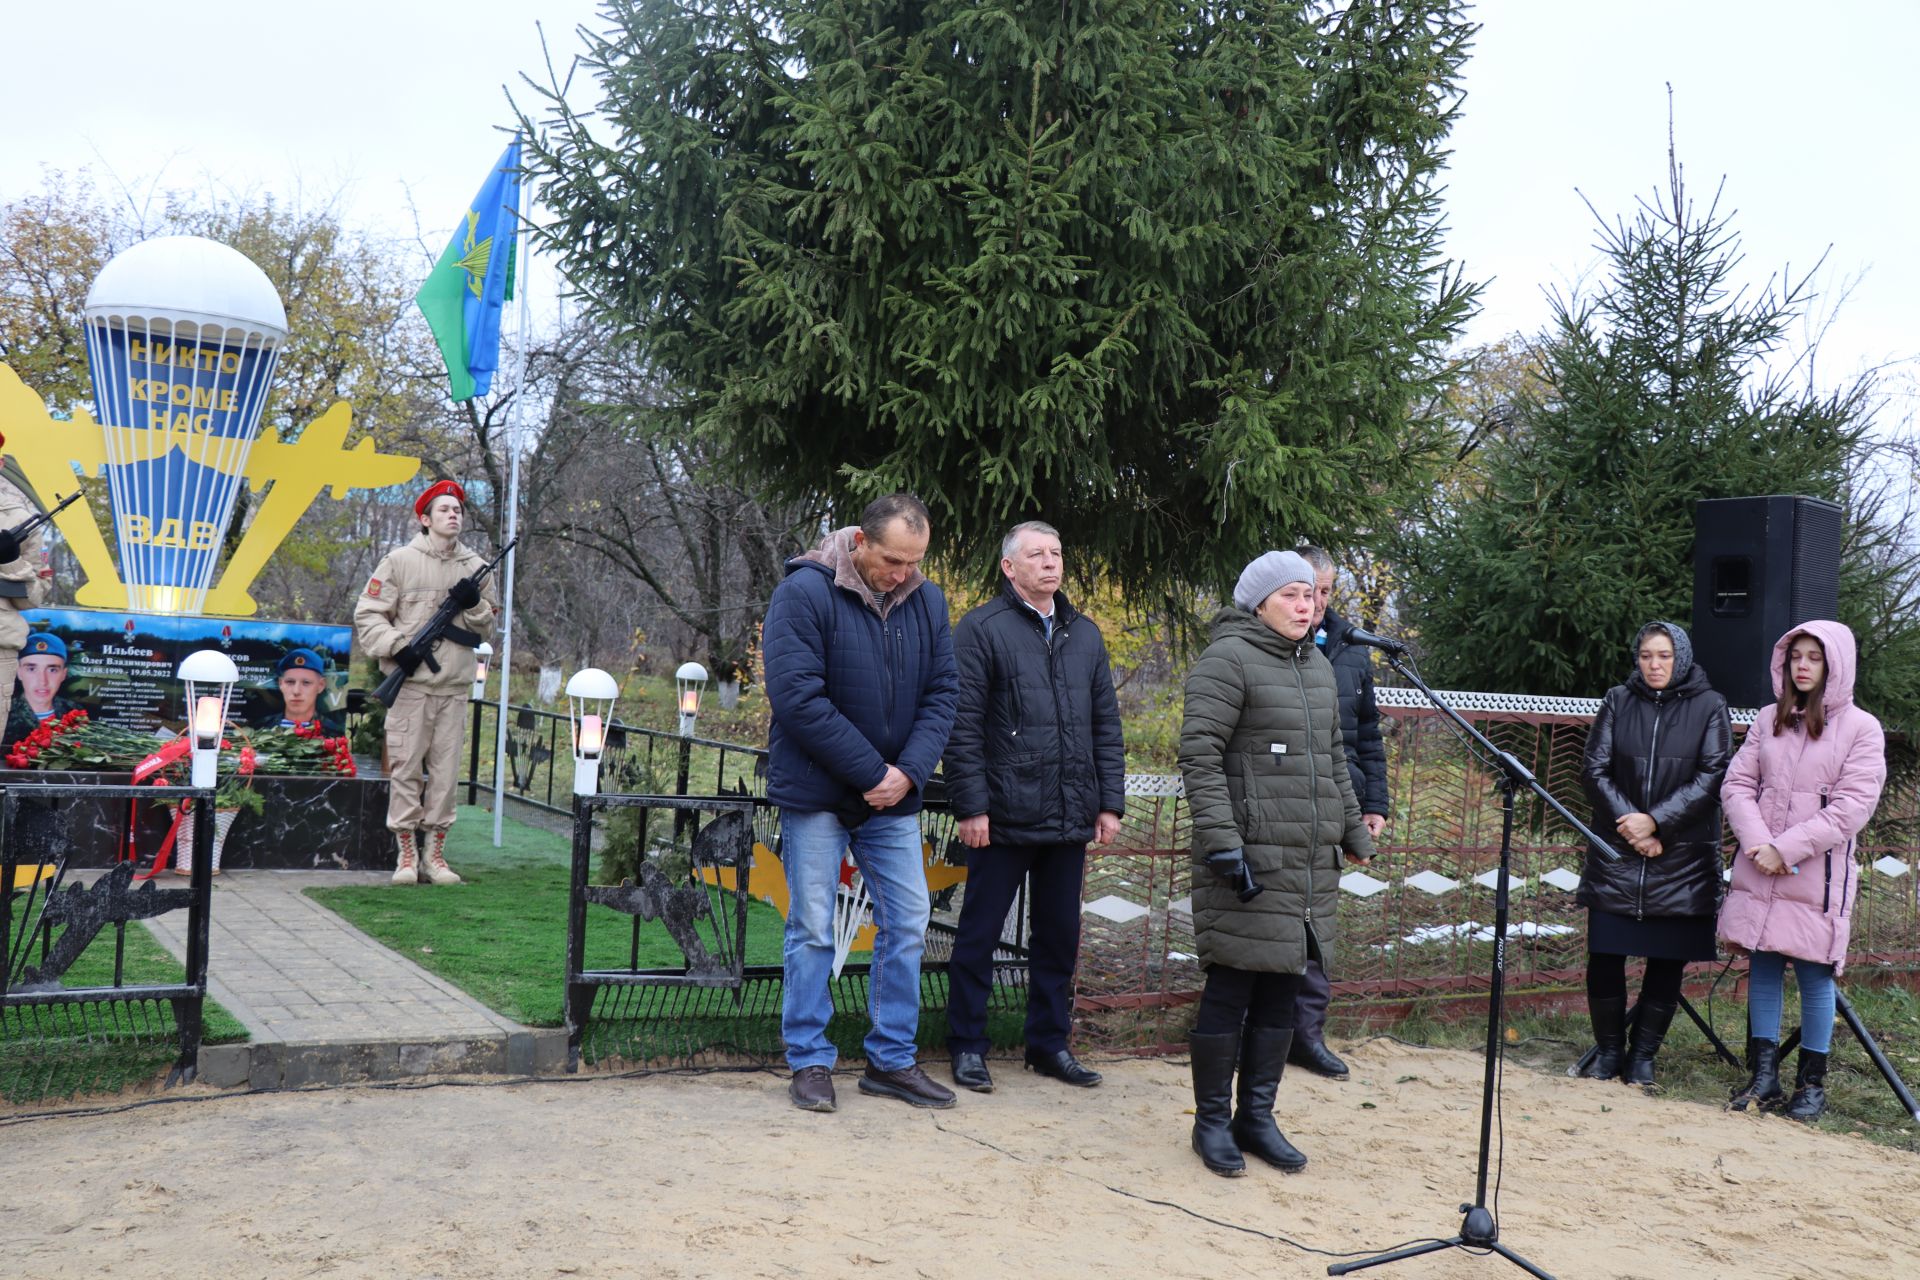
1665	383
1164	273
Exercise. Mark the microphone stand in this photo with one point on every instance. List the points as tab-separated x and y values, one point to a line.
1479	1230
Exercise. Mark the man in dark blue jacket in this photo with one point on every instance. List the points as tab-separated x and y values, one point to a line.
859	672
1035	769
1367	763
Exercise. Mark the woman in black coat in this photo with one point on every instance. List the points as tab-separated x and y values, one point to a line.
1656	756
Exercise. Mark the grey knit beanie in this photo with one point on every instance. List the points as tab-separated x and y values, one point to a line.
1267	574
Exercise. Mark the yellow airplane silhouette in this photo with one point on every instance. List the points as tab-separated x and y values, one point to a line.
51	454
298	472
772	888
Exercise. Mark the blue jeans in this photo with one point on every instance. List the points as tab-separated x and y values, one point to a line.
888	853
1766	994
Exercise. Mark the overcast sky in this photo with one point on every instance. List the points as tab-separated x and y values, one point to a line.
1809	112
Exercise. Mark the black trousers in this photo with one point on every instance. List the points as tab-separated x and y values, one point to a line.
1607	976
994	875
1310	1002
1233	998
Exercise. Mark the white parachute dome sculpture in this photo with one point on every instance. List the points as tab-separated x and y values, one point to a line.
183	335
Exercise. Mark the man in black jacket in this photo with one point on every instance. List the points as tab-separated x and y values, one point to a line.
1367	762
1035	769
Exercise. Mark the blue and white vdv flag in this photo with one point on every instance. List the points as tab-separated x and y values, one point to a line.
182	342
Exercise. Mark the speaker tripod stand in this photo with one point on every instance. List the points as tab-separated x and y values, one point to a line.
1479	1229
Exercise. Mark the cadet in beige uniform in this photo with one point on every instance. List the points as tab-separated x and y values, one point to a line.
25	583
427	721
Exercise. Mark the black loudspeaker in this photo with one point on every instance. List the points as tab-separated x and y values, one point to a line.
1760	566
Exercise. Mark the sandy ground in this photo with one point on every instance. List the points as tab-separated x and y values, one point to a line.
714	1175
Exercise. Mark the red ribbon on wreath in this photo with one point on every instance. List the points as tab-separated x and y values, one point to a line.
153	767
160	759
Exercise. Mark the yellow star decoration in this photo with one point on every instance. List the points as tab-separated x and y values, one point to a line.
767	881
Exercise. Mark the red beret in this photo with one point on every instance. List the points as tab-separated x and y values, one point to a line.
439	490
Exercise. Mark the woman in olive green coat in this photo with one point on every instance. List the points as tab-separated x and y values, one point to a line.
1273	809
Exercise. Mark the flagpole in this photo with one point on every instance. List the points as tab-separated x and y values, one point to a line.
523	275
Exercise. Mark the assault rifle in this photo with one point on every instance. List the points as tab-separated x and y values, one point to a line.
16	537
419	651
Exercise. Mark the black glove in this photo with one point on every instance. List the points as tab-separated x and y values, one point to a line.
852	810
408	659
1231	866
465	593
9	547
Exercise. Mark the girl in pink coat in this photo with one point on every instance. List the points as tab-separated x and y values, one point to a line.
1804	783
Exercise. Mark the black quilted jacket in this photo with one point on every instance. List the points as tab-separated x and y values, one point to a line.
1036	744
1662	753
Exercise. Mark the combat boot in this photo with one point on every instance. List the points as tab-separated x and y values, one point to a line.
1763	1059
1809	1088
407	869
434	860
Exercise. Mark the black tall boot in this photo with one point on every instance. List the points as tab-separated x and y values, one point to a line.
1263	1060
1809	1088
1649	1033
1609	1017
1763	1060
1214	1059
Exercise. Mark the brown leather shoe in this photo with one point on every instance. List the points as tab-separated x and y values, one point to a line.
812	1089
910	1085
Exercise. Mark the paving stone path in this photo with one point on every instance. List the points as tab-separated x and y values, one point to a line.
324	1003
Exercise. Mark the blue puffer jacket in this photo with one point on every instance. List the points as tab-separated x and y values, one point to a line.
852	693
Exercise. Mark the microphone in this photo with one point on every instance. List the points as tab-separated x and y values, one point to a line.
1356	636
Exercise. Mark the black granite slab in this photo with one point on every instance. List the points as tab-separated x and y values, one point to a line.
305	823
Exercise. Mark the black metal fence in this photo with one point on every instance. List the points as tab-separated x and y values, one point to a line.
705	860
637	761
74	1014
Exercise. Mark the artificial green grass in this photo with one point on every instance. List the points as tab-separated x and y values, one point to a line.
1858	1098
57	1051
502	935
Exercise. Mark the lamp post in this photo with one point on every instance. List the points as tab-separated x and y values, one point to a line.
688	681
209	676
590	697
482	659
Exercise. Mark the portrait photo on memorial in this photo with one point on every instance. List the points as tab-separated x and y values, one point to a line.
120	667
